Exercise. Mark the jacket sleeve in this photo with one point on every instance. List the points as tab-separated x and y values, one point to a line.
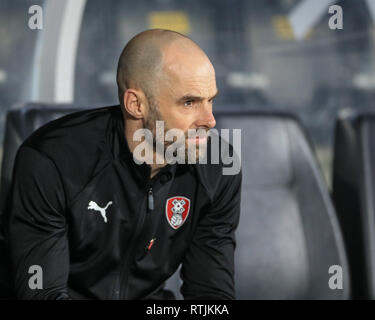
37	228
208	266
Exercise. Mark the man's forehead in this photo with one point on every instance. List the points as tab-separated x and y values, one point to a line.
198	93
191	77
188	65
188	72
203	87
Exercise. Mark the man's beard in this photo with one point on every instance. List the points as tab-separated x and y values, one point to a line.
159	143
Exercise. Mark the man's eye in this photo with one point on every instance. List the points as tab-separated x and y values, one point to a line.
188	103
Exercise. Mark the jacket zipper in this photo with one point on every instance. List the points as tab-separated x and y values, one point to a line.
150	199
140	223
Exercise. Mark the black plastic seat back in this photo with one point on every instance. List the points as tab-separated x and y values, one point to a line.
354	196
288	236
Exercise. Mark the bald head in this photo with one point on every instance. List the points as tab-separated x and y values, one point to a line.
146	56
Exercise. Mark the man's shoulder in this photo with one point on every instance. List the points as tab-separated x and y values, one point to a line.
74	132
79	144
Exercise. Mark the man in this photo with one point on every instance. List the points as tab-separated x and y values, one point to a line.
101	226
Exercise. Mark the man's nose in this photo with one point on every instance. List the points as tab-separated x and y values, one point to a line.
206	117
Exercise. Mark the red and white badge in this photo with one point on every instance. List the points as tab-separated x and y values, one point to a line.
177	210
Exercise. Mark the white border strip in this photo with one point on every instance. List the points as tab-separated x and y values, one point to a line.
371	6
56	51
67	51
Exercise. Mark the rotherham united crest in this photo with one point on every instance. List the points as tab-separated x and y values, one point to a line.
177	210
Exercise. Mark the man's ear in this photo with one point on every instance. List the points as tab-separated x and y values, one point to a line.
134	103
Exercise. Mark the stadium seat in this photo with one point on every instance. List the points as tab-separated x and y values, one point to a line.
354	197
288	236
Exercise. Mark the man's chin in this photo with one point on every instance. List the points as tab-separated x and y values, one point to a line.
197	155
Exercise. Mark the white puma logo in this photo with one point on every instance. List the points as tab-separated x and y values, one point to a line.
94	206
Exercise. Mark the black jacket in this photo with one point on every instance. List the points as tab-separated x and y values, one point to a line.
100	228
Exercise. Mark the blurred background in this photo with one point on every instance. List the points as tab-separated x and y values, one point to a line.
268	54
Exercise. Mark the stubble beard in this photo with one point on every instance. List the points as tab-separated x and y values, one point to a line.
150	124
